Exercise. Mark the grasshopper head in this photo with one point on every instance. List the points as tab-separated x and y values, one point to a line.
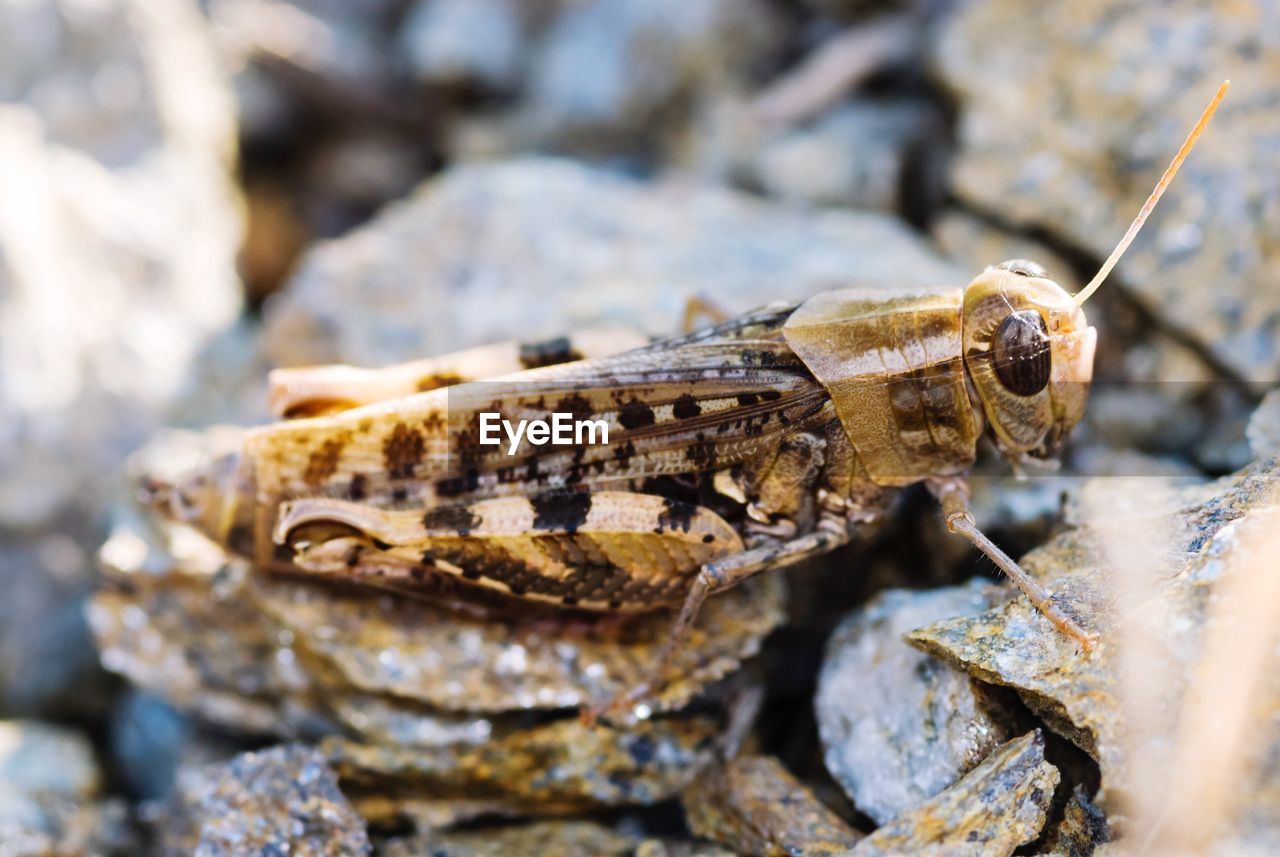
1029	353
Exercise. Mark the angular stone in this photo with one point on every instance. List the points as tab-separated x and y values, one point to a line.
1082	828
753	805
899	726
609	67
992	810
35	757
1147	568
1264	427
559	767
857	155
118	135
478	43
546	838
976	243
176	619
416	650
49	795
284	800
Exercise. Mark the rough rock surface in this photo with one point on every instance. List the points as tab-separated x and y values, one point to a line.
1081	829
546	839
118	232
857	155
587	72
49	795
1105	96
279	801
132	223
560	767
554	838
992	810
1150	569
1264	426
899	726
592	246
284	657
754	805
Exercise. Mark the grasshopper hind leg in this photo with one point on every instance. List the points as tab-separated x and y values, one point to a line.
715	576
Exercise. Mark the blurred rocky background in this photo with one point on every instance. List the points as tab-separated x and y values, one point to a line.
194	193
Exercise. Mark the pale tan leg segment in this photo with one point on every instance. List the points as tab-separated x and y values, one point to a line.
953	495
698	306
714	577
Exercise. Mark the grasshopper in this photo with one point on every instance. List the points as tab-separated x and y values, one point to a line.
749	445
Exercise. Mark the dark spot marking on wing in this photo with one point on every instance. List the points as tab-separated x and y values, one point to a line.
359	487
747	399
323	462
402	451
576	405
460	519
708	539
560	510
701	453
635	414
549	352
686	407
675	515
623	454
437	380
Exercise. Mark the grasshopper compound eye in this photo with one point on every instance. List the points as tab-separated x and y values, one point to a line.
1020	353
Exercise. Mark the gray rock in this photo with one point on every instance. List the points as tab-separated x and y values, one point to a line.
124	212
476	42
342	44
609	66
1080	831
856	155
118	234
996	807
976	243
545	838
49	801
1090	110
148	739
38	758
1264	426
47	661
279	801
555	768
898	726
449	268
1173	580
754	805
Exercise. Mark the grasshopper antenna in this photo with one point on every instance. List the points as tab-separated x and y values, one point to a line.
1147	207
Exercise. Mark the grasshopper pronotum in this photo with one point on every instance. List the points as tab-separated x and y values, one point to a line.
745	446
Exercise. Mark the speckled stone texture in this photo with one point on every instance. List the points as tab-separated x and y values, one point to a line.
587	246
1106	91
898	726
993	809
754	805
1193	543
279	801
